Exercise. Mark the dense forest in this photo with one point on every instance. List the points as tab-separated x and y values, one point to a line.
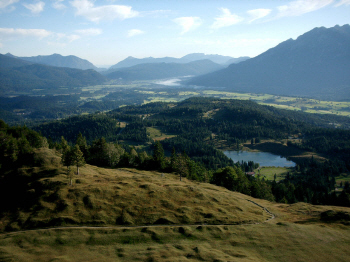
196	125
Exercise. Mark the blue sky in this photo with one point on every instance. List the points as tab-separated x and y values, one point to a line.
107	31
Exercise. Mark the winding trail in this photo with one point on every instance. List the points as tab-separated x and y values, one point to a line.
146	226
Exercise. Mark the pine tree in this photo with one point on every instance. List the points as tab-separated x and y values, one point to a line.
81	142
77	158
64	144
173	159
158	155
68	161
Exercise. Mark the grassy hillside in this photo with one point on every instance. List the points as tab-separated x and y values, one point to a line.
135	215
116	197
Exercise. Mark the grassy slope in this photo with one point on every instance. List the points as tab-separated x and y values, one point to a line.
112	197
108	197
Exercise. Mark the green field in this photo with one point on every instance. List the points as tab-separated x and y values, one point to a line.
343	178
157	134
269	172
159	93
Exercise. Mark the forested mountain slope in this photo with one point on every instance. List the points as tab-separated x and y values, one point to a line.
19	76
58	60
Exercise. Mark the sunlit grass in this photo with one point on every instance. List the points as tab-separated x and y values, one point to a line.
157	134
269	172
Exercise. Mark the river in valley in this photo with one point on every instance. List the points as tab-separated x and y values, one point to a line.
263	158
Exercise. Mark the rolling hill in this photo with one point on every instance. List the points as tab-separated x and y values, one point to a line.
316	64
164	70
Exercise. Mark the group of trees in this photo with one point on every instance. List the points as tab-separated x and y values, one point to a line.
72	157
17	144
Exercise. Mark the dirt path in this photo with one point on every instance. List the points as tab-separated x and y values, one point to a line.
146	226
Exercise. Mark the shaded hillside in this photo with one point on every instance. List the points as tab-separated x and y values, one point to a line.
164	70
316	64
7	61
237	60
25	78
60	61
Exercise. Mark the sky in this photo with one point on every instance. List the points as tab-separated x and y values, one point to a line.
108	31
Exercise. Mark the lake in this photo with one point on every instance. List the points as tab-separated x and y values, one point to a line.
263	158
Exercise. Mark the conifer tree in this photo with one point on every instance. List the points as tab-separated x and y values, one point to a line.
81	142
68	161
77	157
158	155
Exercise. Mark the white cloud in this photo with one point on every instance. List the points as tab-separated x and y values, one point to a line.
258	13
188	23
343	2
87	9
301	7
134	32
226	19
58	4
6	3
89	32
35	8
11	32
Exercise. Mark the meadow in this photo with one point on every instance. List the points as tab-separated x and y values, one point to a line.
128	214
268	173
297	232
159	93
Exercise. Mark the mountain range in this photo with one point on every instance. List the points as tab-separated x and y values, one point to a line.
164	70
218	59
316	64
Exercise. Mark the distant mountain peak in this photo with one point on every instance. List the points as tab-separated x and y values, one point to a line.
218	59
10	55
315	64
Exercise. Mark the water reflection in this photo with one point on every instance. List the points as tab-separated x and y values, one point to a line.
263	158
